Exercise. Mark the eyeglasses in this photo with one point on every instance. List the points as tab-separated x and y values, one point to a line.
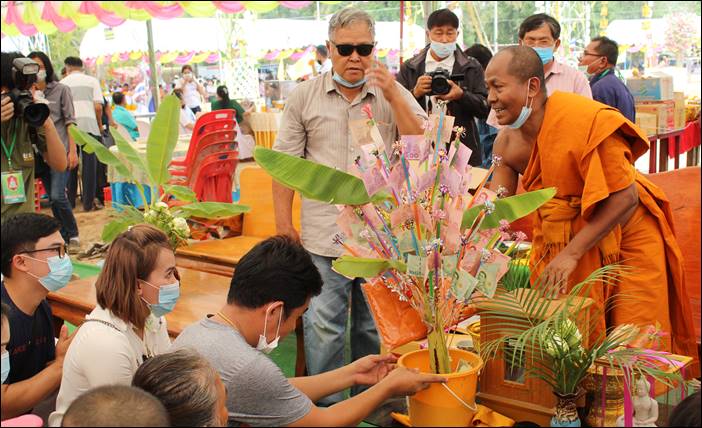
586	53
347	50
60	249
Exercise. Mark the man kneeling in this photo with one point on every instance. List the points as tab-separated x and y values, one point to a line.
271	288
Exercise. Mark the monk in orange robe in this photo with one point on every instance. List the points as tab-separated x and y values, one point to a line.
604	211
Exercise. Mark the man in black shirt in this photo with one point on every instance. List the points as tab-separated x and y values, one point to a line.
33	263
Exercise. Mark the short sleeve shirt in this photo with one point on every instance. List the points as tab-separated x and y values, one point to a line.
86	92
315	125
258	394
31	344
22	160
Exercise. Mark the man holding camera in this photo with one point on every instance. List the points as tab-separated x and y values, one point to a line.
443	72
24	124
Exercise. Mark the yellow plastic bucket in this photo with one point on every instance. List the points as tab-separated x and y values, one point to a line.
474	331
444	405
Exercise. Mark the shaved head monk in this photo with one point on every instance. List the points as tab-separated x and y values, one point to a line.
604	211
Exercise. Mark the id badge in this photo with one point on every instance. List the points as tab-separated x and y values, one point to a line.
13	187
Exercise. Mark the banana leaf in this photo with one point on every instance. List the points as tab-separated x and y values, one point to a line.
510	209
181	193
91	145
209	210
359	267
311	180
163	138
115	227
135	158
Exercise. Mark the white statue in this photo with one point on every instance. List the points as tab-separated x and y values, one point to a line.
645	407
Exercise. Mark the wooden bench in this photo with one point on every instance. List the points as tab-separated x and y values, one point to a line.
221	256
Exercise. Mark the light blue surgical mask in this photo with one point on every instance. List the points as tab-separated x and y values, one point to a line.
345	83
60	272
443	50
5	365
525	113
167	298
546	54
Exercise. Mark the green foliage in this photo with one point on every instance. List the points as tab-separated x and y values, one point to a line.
359	267
538	333
163	138
510	209
210	210
312	180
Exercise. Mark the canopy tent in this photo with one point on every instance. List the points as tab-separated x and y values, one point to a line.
31	17
263	37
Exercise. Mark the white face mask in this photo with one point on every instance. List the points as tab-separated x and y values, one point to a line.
263	344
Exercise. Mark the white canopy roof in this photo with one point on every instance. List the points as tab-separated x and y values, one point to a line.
629	31
206	34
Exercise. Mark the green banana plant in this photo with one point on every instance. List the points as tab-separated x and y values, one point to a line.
510	209
153	165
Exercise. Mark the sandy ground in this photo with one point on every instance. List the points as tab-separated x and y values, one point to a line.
90	224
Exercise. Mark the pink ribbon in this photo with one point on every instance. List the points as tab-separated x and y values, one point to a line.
13	17
183	59
213	58
229	6
124	56
628	405
63	24
154	9
295	4
107	18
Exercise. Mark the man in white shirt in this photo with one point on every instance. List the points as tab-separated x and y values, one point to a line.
322	62
87	103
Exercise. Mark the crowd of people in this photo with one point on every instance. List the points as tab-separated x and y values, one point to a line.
120	368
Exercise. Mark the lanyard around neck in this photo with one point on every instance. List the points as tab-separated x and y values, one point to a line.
8	152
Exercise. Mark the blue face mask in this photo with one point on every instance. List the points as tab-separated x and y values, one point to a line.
60	272
5	365
443	50
167	298
546	54
345	83
525	113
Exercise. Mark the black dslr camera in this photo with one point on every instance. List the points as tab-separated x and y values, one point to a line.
24	75
439	81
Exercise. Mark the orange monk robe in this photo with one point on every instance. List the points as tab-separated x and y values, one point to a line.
587	150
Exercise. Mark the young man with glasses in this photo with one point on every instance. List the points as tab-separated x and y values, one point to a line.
315	125
467	99
599	61
34	262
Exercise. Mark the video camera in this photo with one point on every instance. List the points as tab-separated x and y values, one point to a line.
24	75
439	81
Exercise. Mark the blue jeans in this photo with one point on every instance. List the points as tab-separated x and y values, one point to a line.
325	325
55	183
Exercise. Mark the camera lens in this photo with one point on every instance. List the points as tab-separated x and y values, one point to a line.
34	114
440	85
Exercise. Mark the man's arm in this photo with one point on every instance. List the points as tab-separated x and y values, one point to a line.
282	204
19	398
98	114
407	119
55	154
319	386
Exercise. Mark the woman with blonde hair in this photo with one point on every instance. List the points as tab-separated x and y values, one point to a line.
138	285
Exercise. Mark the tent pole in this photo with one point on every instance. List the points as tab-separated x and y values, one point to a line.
402	25
152	64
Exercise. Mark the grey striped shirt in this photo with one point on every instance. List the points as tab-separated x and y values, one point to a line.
86	92
315	125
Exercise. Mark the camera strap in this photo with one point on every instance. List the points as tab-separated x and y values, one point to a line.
8	152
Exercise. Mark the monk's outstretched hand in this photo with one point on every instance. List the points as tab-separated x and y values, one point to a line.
557	273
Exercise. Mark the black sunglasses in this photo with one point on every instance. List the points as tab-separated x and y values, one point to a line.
347	50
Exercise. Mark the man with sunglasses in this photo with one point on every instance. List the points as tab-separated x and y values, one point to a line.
34	262
315	125
599	61
467	99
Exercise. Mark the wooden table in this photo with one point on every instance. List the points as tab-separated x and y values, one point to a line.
217	256
201	293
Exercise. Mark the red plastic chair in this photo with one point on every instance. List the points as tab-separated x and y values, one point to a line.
184	168
213	179
219	120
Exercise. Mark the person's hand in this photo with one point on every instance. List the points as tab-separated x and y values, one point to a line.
423	86
8	108
288	231
64	341
555	276
371	369
404	381
454	94
113	124
379	76
72	158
